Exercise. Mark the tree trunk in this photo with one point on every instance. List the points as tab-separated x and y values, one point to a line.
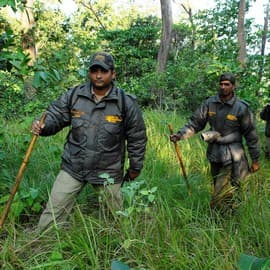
264	40
28	35
166	14
242	53
265	29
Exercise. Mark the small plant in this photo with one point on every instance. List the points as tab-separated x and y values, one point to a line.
108	179
25	202
137	198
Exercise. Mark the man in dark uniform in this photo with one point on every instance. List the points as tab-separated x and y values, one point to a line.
104	123
265	115
230	120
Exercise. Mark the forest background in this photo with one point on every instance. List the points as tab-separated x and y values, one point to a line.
171	66
167	65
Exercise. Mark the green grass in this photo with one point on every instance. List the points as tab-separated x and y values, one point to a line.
175	231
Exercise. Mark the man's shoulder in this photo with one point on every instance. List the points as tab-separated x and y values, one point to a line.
242	102
126	97
132	97
266	107
127	94
77	87
211	99
74	92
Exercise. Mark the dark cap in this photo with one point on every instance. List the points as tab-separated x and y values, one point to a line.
102	59
227	76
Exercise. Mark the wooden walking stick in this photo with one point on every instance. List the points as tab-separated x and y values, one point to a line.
20	174
178	153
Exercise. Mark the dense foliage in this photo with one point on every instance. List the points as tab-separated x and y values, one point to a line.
200	51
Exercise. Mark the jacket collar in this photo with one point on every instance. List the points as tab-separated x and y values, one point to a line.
85	91
229	102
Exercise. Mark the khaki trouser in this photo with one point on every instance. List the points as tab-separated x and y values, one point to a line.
63	197
223	189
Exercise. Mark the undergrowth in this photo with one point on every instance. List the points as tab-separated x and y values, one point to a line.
162	225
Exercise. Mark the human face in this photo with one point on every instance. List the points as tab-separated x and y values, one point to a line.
101	78
226	89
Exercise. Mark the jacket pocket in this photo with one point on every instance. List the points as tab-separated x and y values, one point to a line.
231	123
78	130
110	137
72	156
110	162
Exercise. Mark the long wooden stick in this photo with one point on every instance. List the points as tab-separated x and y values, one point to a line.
178	153
20	174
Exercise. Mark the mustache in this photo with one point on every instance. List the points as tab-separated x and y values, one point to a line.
99	81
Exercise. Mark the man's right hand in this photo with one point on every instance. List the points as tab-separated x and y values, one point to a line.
175	137
36	128
130	175
255	166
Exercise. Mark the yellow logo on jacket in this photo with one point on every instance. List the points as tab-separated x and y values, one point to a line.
76	113
231	117
211	113
113	118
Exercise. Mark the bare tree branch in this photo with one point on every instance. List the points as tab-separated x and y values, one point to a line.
90	7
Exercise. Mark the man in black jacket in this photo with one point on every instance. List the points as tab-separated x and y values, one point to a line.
104	123
230	121
265	115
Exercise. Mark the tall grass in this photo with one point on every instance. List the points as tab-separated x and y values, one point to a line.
175	231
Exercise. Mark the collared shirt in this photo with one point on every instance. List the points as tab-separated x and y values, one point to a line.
98	98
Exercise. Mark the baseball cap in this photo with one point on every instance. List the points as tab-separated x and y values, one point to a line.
102	59
227	76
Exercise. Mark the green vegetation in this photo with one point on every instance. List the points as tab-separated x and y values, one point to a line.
201	48
161	226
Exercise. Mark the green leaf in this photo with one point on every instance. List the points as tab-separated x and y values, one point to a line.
56	74
127	243
24	194
56	256
151	197
36	207
122	213
29	201
43	75
153	190
17	208
4	199
248	262
116	265
82	72
36	80
110	181
104	175
144	192
34	193
261	264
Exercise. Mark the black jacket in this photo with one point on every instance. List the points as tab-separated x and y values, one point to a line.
227	118
265	115
100	134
